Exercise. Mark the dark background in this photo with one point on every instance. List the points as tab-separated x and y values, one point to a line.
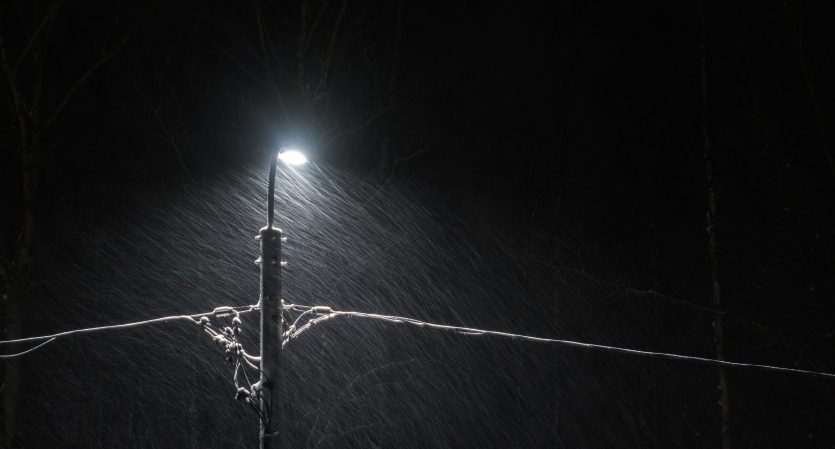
508	167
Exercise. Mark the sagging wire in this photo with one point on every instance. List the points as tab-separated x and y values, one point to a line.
324	313
315	315
228	337
319	314
225	336
195	318
11	356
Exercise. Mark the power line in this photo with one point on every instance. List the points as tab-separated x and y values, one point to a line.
327	313
11	356
195	318
320	314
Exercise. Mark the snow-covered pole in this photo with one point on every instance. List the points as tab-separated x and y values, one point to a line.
270	433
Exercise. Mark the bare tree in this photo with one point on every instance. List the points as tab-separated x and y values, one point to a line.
713	242
166	108
796	21
24	62
331	71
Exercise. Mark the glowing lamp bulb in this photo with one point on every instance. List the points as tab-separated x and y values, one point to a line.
292	157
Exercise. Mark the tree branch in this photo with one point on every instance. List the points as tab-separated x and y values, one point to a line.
325	70
48	18
92	69
17	99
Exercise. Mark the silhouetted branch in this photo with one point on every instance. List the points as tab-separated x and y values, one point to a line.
106	56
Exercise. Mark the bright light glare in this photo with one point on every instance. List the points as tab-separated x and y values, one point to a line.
292	157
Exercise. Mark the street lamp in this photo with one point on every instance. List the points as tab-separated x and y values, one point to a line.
271	427
291	156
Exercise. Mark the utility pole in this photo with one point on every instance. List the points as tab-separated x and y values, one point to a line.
271	432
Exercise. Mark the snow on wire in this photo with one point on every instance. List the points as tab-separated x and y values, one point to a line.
318	314
45	339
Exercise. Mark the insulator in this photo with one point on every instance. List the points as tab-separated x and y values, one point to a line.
223	310
321	310
242	393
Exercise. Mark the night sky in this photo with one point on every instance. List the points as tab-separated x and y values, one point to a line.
649	175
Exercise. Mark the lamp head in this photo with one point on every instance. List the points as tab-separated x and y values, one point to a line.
291	156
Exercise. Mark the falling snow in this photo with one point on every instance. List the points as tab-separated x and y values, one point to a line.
353	245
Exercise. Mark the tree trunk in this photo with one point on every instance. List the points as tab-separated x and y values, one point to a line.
712	244
11	376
